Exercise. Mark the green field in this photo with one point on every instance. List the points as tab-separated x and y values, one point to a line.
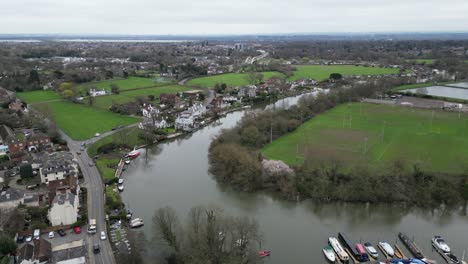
105	102
38	96
123	84
322	72
82	122
230	79
423	61
438	142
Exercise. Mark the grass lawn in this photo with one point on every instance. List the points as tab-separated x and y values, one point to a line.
106	101
124	84
82	122
230	79
423	61
411	135
322	72
128	136
103	165
112	195
38	96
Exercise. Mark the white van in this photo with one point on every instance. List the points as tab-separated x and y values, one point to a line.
37	234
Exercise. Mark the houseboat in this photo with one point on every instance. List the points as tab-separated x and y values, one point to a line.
133	154
349	246
364	257
412	247
339	250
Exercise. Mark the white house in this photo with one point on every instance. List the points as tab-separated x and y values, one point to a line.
57	166
64	209
94	92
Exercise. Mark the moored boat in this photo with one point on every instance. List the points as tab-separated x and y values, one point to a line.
133	154
137	222
440	243
371	250
339	250
387	248
412	247
329	254
263	253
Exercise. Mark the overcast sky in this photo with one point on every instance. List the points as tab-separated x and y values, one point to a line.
230	16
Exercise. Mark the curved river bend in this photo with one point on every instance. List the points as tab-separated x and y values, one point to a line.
176	174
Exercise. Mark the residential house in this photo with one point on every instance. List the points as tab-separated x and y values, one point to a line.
38	252
31	142
94	92
11	198
6	96
249	91
64	209
57	166
169	99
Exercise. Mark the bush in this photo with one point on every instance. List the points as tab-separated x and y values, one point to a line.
107	148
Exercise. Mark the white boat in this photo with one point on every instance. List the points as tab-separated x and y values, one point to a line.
127	162
120	187
340	252
121	181
135	224
440	243
387	248
371	250
329	254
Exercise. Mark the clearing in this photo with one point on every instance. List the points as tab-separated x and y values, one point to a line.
106	101
123	84
230	79
378	135
81	122
38	96
322	72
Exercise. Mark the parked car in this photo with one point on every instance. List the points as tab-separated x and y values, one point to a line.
51	234
78	153
20	239
96	248
97	135
77	230
61	232
37	234
28	238
91	164
103	235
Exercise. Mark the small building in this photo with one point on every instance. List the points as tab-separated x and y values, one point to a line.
64	209
94	92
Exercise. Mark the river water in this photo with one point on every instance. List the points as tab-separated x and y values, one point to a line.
176	174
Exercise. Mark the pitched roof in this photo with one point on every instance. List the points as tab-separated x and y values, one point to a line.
26	252
42	250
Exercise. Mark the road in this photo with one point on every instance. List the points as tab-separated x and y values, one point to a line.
96	202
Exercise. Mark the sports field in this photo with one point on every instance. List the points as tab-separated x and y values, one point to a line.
105	102
123	84
82	122
378	135
230	79
322	72
38	96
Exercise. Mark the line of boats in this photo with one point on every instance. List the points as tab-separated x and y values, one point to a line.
342	250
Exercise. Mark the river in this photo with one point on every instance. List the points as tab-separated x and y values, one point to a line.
176	174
